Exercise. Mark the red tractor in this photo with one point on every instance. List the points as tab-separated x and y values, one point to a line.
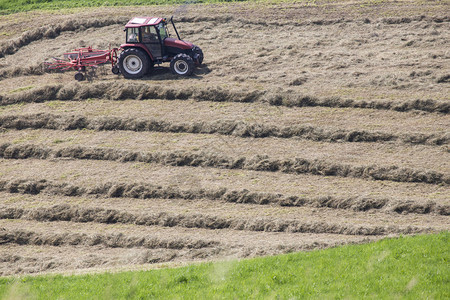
148	42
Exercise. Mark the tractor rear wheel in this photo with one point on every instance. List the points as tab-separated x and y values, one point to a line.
182	64
133	63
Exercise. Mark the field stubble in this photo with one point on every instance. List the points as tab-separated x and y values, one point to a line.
313	126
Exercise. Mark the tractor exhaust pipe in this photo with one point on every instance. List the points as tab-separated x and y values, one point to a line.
173	24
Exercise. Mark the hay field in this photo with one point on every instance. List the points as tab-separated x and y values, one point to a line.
309	125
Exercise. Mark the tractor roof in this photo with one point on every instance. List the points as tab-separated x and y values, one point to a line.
143	21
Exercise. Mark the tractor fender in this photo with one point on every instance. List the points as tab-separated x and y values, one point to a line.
127	46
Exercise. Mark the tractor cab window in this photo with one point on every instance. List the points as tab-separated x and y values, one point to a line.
162	31
133	35
149	34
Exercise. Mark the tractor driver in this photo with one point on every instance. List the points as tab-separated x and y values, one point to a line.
147	35
133	38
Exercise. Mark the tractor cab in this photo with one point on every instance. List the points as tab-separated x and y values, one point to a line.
148	42
148	31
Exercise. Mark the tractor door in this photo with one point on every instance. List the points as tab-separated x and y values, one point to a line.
151	40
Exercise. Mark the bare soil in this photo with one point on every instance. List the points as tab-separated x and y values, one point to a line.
308	126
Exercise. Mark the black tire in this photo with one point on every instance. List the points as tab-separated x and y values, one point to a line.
79	76
182	65
133	63
200	56
151	67
115	70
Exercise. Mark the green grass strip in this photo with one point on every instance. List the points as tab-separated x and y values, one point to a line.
406	267
13	6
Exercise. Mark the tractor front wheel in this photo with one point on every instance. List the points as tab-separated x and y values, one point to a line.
182	64
133	63
199	54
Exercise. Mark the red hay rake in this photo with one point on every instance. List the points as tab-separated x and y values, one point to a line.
82	58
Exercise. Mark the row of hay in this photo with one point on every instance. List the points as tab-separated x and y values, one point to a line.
142	91
149	191
333	21
20	263
54	30
119	240
204	159
224	127
18	71
165	219
40	261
